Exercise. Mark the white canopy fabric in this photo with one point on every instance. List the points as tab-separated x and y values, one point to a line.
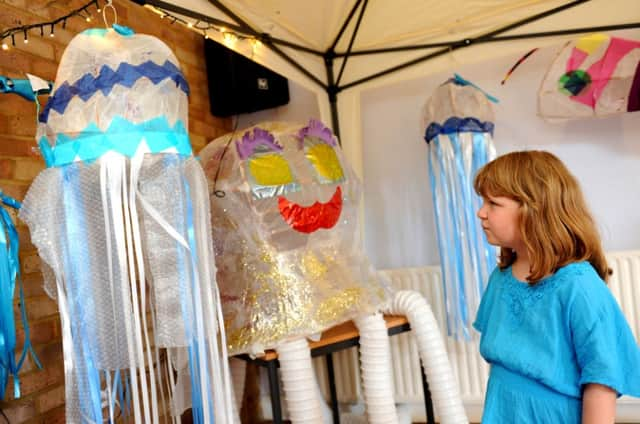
384	24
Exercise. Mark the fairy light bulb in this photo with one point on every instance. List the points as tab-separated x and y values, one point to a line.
229	38
255	45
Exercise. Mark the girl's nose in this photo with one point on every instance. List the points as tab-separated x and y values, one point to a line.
481	213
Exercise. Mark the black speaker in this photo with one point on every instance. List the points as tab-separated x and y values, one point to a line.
240	85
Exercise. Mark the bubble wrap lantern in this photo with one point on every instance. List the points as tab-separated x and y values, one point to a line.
123	203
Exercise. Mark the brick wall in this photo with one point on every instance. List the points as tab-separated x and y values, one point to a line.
42	399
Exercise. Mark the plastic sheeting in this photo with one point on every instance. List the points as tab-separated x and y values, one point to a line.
288	253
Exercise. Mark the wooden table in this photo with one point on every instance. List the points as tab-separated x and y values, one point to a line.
337	338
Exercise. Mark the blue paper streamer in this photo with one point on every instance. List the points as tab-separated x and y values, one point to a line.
122	136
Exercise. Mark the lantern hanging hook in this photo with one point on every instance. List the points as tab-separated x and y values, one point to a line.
104	13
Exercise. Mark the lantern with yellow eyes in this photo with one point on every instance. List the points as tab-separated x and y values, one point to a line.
290	265
284	207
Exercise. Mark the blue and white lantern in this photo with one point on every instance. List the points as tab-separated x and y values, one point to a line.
458	122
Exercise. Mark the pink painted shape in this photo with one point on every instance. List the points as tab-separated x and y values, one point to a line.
575	60
601	71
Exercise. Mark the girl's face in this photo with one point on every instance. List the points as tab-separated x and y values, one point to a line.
500	219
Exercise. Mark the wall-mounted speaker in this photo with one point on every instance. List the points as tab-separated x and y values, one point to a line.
240	85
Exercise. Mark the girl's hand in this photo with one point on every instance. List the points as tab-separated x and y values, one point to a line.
598	404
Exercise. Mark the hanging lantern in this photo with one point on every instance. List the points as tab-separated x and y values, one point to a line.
458	121
124	204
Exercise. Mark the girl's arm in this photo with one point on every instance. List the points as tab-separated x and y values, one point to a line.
598	404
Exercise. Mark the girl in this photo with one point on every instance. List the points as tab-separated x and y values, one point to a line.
559	346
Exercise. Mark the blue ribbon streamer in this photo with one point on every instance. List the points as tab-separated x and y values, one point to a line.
22	87
464	251
9	274
457	79
196	395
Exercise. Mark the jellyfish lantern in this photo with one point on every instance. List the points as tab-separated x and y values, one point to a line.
121	221
458	122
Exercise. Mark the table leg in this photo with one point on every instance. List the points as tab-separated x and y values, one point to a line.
332	389
274	387
427	397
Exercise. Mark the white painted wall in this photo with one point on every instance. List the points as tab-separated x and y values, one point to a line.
604	154
303	105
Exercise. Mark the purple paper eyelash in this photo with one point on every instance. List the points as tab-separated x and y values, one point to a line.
250	142
317	129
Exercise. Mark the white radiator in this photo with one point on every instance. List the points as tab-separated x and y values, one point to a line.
469	367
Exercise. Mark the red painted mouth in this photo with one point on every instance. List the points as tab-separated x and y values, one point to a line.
311	218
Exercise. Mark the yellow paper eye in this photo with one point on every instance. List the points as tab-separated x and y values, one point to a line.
325	161
270	170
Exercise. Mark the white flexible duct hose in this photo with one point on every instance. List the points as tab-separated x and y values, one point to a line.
298	380
375	364
442	383
238	373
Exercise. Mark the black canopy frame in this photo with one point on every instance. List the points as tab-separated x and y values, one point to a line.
332	85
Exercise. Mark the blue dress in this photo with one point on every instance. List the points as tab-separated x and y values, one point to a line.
545	342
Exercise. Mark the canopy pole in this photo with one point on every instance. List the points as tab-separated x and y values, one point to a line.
332	91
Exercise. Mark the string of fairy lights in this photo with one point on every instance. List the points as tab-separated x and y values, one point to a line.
229	37
11	36
46	28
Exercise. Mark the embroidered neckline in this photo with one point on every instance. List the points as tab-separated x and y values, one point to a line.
520	296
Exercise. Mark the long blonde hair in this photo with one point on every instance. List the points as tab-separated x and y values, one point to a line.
555	225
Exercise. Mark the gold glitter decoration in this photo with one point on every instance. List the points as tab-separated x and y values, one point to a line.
293	295
337	306
279	303
312	267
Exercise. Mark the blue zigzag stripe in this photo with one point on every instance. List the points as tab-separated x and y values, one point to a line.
122	136
126	75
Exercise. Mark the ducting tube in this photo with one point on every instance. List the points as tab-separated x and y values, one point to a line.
375	365
238	369
299	382
442	383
